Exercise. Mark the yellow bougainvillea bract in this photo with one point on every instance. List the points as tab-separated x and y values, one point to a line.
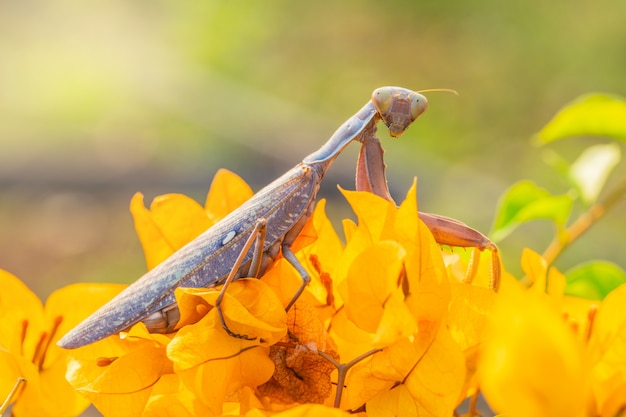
387	327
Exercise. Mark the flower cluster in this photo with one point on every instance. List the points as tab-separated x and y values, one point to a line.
549	354
387	326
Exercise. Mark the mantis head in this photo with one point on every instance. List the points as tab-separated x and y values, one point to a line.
398	107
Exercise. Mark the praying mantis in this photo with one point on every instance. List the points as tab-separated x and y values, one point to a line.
246	242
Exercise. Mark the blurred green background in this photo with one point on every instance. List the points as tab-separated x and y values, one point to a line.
101	99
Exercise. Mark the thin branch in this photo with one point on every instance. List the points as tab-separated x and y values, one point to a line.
342	371
583	223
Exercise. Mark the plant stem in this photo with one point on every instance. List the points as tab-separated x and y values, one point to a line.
343	371
583	223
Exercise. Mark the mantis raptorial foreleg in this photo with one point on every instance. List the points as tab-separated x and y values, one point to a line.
451	232
370	176
370	172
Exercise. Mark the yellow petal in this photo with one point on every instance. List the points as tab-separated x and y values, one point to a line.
426	277
249	307
396	402
372	278
207	341
84	299
203	341
172	221
307	236
536	269
283	279
21	314
211	381
57	393
532	364
544	280
407	220
376	217
556	284
427	283
328	246
320	257
228	191
351	340
121	385
387	368
427	374
169	398
46	391
611	316
380	372
252	308
615	403
373	212
469	313
139	333
349	227
396	321
246	400
29	400
436	382
608	348
311	410
359	242
576	313
146	363
193	305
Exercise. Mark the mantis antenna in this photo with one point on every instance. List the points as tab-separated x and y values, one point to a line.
444	90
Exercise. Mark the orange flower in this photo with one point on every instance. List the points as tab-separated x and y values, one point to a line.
28	332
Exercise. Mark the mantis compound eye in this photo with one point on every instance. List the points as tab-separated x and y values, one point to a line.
381	98
419	104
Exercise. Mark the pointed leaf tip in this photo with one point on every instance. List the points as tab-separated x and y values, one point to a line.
589	115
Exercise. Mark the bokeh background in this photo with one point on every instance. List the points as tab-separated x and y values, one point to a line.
101	99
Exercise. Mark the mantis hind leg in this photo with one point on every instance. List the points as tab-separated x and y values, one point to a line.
256	238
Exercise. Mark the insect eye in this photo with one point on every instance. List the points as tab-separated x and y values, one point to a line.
381	98
419	104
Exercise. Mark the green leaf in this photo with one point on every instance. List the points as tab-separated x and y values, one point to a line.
592	168
594	280
525	201
589	115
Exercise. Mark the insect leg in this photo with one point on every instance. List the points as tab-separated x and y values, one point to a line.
370	168
451	232
257	257
257	237
370	176
306	278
